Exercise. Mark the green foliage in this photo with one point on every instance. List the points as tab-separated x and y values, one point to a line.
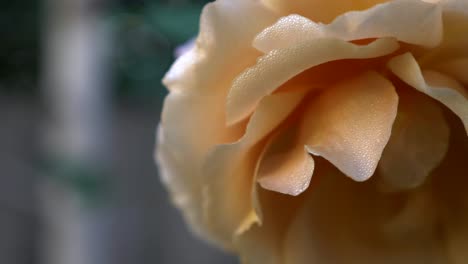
19	46
146	34
147	37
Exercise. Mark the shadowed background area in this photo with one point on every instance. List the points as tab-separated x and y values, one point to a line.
80	98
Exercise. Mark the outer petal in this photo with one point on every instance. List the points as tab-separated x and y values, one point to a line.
350	124
278	66
193	119
229	169
419	142
436	85
413	22
189	128
317	10
223	47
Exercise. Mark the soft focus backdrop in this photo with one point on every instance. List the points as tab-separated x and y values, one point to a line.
80	98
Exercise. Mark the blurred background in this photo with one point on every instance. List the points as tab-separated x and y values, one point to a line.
80	98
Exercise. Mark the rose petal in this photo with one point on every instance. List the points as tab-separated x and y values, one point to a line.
229	169
193	119
278	66
454	43
285	166
350	124
223	47
418	23
288	31
418	143
317	10
438	86
189	127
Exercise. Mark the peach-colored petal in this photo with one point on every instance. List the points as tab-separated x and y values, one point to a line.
288	31
350	124
318	10
456	68
419	142
285	166
189	127
193	119
223	47
229	169
278	66
436	85
418	23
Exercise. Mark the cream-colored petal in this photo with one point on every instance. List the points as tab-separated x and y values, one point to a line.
438	86
278	66
229	169
419	142
285	166
193	118
317	10
346	222
289	31
456	68
454	41
414	22
350	123
410	21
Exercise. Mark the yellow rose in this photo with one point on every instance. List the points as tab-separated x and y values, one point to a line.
323	131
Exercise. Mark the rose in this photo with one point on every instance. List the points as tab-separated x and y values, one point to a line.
323	131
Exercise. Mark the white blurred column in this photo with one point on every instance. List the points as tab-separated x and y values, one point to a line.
76	136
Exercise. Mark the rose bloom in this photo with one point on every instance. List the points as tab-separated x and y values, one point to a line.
323	131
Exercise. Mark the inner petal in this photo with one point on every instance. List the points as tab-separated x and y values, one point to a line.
414	22
285	166
419	142
440	87
278	66
317	10
350	123
228	171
